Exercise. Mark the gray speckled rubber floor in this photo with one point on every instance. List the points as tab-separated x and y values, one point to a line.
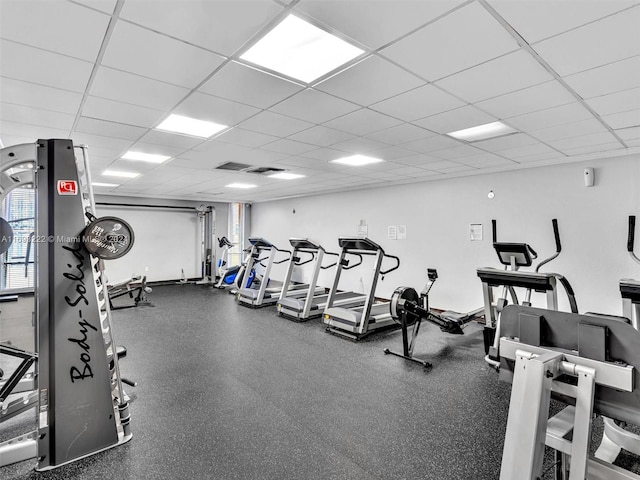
227	392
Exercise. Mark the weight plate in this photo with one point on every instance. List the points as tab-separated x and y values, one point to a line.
400	296
108	238
6	235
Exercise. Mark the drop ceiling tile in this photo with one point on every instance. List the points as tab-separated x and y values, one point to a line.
509	73
629	133
582	150
30	131
288	146
247	85
38	96
418	103
321	136
104	109
574	142
402	133
275	124
456	153
567	130
324	154
136	90
157	137
43	68
483	159
611	39
614	77
372	22
245	138
545	95
138	50
457	169
259	156
214	109
623	119
536	20
107	6
383	80
392	153
571	112
109	129
314	106
431	144
145	147
616	102
472	36
512	140
54	26
222	26
456	119
526	151
363	122
36	116
359	145
10	140
100	145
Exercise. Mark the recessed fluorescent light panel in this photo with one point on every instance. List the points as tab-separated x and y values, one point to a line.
357	160
300	50
118	173
286	176
190	126
100	184
145	157
482	132
241	185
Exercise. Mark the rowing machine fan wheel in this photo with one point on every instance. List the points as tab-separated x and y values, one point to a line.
400	297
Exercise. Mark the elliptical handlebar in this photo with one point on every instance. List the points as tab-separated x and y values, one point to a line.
631	238
556	234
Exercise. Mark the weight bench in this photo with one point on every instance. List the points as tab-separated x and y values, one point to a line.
590	362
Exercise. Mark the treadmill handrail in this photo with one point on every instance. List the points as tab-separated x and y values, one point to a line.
349	267
397	259
297	262
324	267
631	238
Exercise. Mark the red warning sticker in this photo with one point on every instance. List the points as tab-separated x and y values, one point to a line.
67	187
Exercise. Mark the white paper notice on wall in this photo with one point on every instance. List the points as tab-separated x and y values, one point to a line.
363	229
475	232
392	232
402	232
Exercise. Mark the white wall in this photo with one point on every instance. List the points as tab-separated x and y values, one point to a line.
167	240
437	214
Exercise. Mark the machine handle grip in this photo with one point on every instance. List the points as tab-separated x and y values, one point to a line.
384	272
556	233
494	228
632	233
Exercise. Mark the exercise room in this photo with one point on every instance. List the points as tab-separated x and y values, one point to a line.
320	239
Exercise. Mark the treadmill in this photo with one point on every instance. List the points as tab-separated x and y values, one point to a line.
311	305
358	322
260	294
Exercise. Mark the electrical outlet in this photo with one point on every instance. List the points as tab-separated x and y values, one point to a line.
146	269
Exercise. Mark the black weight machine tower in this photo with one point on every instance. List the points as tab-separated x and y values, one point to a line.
82	408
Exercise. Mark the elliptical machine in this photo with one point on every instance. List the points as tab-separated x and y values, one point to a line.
514	256
229	276
408	309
